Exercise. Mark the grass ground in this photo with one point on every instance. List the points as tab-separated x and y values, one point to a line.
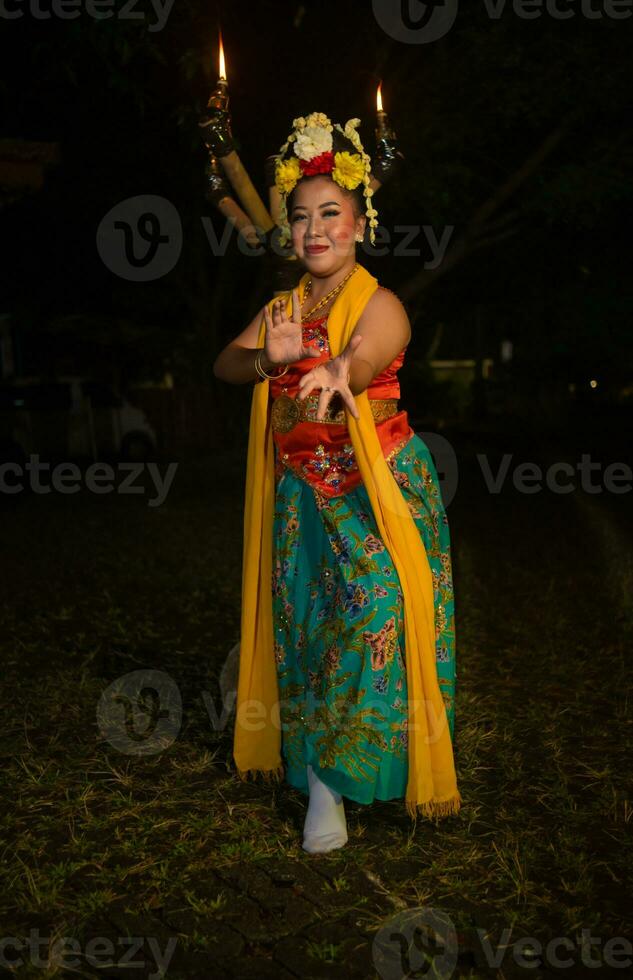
208	871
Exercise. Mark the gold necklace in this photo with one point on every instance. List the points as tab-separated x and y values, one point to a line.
325	299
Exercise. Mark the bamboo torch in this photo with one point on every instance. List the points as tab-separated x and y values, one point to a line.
388	157
224	161
217	134
274	197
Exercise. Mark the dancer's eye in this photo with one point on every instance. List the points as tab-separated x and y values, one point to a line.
296	217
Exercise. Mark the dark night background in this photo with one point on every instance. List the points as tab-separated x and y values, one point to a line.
547	269
516	133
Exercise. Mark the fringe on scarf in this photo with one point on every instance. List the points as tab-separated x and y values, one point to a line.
435	809
268	775
431	809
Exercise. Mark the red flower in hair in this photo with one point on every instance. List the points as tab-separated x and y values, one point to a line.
321	164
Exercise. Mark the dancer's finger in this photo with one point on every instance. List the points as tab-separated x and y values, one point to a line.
324	400
296	307
306	384
277	315
350	350
350	401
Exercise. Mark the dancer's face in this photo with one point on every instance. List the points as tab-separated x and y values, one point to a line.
322	215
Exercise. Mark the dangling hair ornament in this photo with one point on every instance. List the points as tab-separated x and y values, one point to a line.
312	138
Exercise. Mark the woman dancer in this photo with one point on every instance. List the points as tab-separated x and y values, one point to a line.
347	648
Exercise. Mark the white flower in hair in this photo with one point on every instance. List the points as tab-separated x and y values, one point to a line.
312	136
312	141
319	119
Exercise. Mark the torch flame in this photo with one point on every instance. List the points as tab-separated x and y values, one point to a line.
379	99
222	72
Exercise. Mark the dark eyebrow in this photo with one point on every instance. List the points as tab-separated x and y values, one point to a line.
320	205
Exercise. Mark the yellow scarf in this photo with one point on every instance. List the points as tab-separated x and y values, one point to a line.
432	784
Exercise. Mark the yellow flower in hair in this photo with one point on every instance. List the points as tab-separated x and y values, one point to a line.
287	174
348	169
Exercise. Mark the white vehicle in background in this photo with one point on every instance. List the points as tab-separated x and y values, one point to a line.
71	417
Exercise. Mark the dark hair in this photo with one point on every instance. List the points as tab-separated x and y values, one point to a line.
340	143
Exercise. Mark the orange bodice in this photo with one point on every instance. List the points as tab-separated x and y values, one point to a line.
322	452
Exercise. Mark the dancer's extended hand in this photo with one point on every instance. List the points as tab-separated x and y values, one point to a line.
331	376
284	337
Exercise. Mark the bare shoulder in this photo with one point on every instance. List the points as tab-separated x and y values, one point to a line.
384	307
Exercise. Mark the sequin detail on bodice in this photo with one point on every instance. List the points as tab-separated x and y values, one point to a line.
322	453
384	385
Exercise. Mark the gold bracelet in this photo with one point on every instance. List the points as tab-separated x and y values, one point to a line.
257	364
260	370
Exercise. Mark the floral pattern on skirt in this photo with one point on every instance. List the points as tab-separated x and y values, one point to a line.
338	616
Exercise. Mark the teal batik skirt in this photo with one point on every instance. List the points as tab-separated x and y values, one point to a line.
338	617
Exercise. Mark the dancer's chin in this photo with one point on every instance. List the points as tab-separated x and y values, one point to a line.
323	262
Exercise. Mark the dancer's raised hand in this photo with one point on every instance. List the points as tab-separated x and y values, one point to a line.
331	376
284	337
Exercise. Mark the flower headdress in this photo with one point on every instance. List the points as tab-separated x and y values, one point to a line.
313	154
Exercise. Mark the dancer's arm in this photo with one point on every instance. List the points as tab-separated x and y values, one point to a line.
386	331
236	362
283	344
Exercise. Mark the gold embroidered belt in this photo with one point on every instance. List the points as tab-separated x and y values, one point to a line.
287	411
